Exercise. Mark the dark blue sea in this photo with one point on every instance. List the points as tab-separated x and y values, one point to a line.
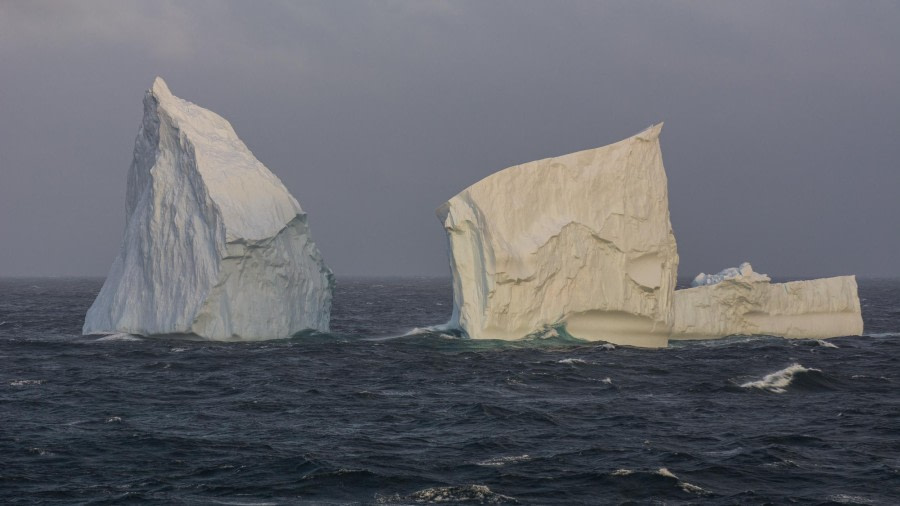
362	416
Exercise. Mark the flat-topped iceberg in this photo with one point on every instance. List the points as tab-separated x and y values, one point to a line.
214	244
747	303
581	241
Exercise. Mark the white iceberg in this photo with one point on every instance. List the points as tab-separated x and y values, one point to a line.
214	244
747	303
581	241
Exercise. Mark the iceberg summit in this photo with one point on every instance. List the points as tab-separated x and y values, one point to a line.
214	244
582	243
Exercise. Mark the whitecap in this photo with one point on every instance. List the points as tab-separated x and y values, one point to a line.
178	350
622	472
850	499
571	361
23	383
119	337
687	487
778	381
502	461
480	494
114	419
607	380
825	344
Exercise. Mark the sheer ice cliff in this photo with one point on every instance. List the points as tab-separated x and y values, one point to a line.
214	244
743	302
581	241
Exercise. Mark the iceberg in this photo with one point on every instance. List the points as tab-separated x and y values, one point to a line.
214	244
580	242
743	302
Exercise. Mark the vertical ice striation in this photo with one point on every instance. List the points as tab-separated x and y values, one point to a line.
581	241
214	243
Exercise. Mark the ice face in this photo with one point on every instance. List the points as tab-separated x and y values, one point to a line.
214	243
581	241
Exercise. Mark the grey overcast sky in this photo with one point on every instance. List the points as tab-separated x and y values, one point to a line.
781	143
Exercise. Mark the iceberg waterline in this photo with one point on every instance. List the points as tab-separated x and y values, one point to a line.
214	243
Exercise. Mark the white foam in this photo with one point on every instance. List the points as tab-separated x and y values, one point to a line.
778	381
114	419
119	337
825	344
885	334
607	380
622	472
571	361
22	383
466	493
850	499
502	461
687	487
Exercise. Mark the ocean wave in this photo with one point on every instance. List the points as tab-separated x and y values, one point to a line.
502	461
119	337
571	361
24	383
778	381
480	494
825	344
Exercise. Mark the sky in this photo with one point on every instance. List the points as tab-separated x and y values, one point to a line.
781	140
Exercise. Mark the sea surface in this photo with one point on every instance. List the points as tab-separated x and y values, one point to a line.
379	413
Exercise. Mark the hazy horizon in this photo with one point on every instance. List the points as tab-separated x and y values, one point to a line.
780	140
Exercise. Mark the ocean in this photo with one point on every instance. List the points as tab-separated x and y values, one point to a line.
384	411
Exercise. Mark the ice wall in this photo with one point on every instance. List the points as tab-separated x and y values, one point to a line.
214	243
581	241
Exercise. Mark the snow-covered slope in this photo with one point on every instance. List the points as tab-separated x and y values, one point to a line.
214	243
748	304
581	240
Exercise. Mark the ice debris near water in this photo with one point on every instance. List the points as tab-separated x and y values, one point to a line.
214	244
581	241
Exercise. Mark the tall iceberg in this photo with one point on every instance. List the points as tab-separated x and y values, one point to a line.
581	241
743	302
214	244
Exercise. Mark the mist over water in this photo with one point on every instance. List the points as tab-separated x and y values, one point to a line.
364	416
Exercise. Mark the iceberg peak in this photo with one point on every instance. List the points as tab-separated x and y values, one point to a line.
580	242
214	244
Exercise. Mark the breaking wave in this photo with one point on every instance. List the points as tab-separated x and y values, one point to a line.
794	375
